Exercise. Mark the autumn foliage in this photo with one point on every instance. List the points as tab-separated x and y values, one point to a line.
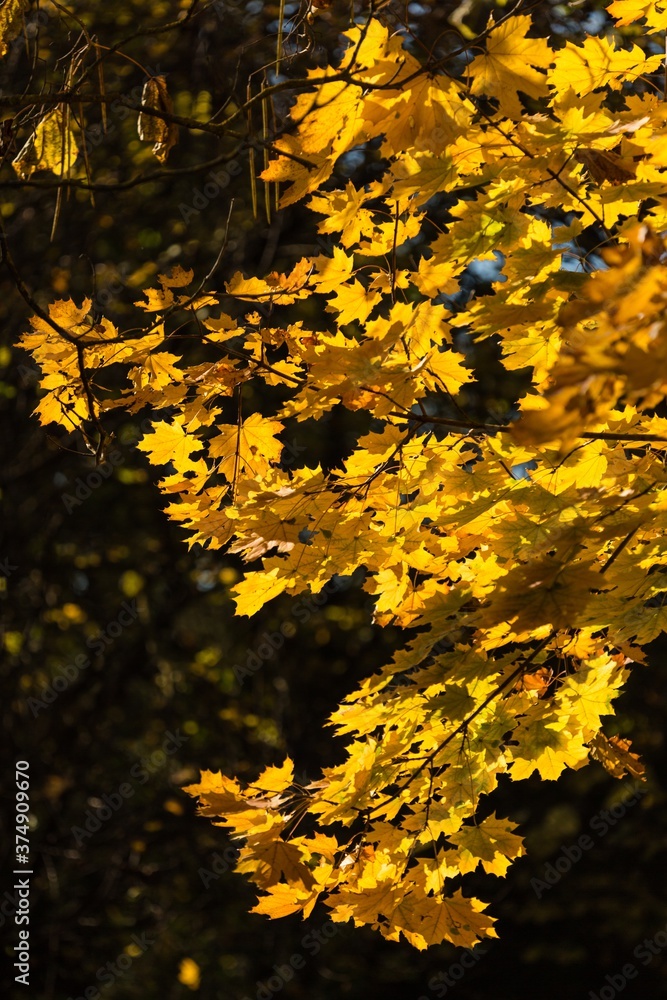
522	555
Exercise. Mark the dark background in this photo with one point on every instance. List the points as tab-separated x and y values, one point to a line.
153	871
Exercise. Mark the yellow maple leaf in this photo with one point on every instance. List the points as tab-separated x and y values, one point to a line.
170	444
65	406
435	277
281	289
331	272
253	592
226	790
424	176
446	369
248	449
598	63
492	843
251	817
163	298
267	860
589	693
282	900
544	592
343	212
630	11
616	757
276	779
546	747
353	303
157	371
456	919
511	64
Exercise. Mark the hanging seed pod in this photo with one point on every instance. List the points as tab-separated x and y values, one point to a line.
163	134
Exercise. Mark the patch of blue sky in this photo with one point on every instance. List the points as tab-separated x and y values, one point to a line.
523	470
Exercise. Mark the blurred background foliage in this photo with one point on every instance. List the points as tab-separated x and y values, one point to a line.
74	551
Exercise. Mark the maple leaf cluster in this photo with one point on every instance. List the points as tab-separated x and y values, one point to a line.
527	593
